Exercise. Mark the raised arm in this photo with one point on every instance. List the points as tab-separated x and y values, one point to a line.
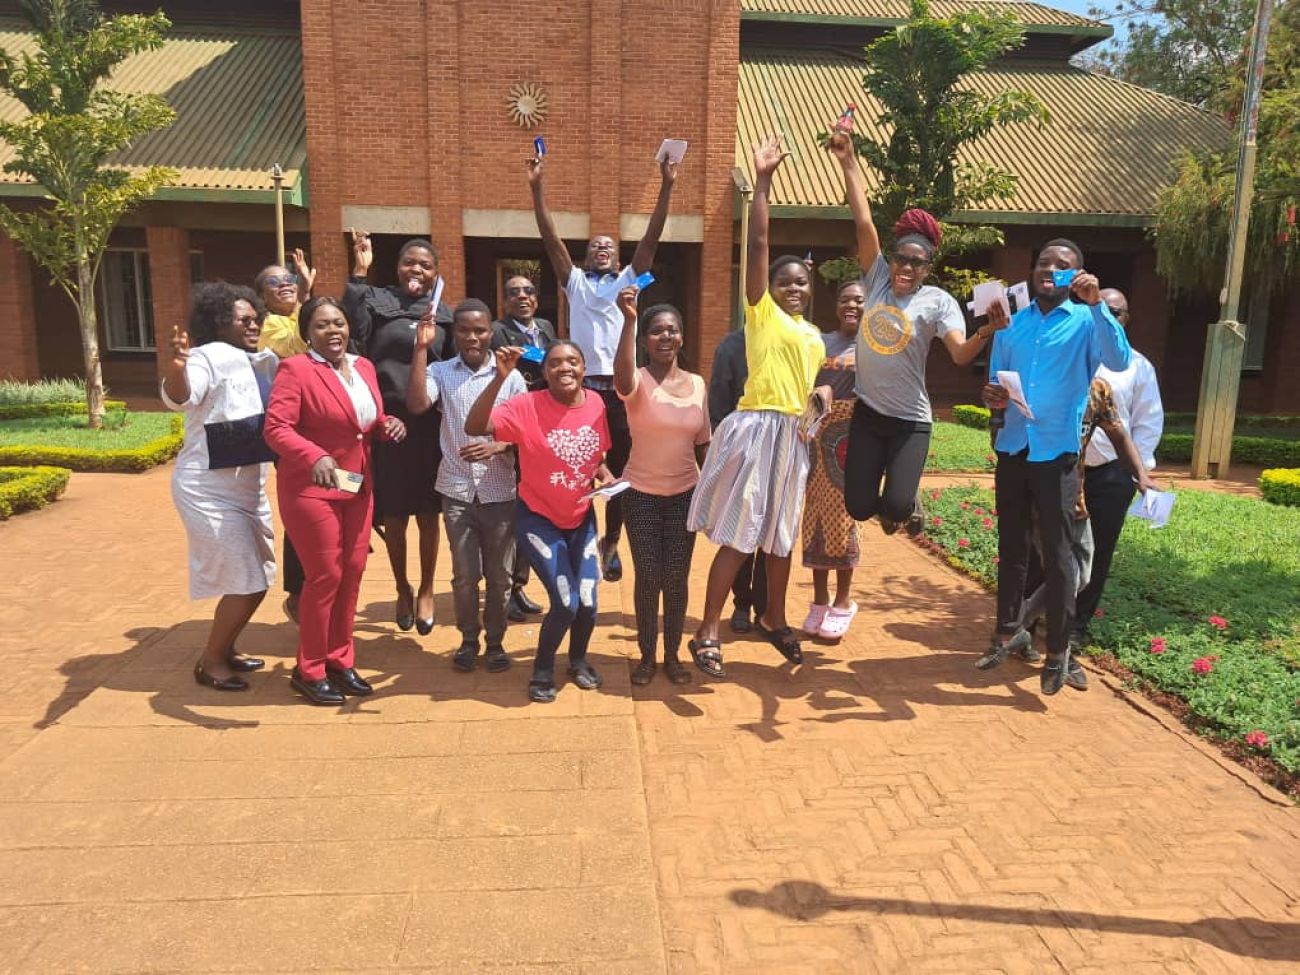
768	155
841	147
645	251
1109	345
354	294
556	252
418	399
625	357
964	348
478	422
176	383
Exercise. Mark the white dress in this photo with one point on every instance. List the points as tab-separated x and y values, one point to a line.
226	513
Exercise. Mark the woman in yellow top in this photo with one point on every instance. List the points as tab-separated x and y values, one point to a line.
751	490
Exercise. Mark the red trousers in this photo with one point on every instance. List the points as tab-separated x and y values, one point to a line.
332	539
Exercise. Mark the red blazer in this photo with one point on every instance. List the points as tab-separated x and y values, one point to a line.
310	415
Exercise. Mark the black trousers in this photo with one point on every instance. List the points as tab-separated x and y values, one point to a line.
620	440
1045	490
883	447
749	588
294	576
1108	490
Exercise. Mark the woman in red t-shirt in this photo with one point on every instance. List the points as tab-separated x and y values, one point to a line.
561	436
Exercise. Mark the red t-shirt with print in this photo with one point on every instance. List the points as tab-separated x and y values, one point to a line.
559	447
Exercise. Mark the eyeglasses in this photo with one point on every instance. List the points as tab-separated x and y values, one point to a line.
915	263
520	290
246	320
276	280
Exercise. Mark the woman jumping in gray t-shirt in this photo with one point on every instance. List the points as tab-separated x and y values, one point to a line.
889	434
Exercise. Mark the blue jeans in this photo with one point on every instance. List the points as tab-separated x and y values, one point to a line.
565	562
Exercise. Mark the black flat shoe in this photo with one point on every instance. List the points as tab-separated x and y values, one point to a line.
526	604
205	679
349	682
1053	673
586	677
611	566
242	664
496	660
514	612
425	627
317	691
541	691
406	620
465	658
740	621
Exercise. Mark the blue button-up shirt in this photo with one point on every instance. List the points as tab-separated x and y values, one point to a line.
1056	355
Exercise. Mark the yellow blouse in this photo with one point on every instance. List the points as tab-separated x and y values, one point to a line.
280	335
784	352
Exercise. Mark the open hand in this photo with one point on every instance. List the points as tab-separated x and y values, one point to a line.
306	274
363	252
506	359
322	472
1086	288
768	155
995	397
394	429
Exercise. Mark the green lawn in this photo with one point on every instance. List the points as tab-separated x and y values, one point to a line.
1235	559
958	449
122	431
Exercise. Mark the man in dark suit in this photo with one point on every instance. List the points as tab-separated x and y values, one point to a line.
519	327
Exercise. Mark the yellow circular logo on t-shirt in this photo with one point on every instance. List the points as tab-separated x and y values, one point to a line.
888	329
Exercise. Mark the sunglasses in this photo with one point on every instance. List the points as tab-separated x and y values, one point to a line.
520	290
276	280
246	320
916	263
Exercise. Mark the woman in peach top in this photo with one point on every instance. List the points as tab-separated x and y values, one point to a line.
668	416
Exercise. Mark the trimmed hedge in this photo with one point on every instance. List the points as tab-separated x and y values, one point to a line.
24	411
25	488
1267	451
1281	486
976	417
1243	420
151	454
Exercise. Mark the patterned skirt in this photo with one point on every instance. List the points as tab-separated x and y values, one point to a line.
751	489
830	536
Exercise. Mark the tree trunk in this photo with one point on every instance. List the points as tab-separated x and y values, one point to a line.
90	344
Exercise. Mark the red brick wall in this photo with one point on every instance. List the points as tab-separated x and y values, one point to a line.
18	346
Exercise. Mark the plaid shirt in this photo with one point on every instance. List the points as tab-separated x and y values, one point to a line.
456	386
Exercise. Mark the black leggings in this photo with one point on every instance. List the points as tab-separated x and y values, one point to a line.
661	554
883	446
620	448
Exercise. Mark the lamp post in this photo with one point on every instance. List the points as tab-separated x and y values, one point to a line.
1225	343
746	191
277	177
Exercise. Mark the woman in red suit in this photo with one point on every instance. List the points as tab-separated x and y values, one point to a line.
324	409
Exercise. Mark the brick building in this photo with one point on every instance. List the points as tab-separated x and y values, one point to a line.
396	118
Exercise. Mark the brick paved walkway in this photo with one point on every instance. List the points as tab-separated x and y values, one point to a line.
883	808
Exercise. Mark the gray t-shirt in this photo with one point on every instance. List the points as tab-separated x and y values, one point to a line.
837	371
894	341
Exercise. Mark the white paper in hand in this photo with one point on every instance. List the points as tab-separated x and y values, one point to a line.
611	490
674	150
990	293
1154	506
1010	381
1019	295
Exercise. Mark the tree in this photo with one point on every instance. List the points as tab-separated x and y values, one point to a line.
916	74
74	125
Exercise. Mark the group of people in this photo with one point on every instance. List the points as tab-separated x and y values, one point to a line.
389	404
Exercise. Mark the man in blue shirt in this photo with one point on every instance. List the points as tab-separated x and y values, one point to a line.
1055	345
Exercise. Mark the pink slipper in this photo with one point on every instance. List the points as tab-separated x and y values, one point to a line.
816	615
837	621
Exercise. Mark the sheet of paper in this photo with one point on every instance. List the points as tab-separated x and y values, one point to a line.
1019	296
1010	381
608	491
1154	506
671	149
990	293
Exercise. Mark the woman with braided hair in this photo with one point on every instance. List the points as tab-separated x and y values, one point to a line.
889	435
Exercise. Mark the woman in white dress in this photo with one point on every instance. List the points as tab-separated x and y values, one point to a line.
219	482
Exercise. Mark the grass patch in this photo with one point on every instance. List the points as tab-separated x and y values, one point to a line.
127	442
25	488
1233	559
958	449
15	393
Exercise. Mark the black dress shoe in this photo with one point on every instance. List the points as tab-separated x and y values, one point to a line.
1075	676
524	603
202	677
349	682
515	613
242	664
406	620
1053	674
317	691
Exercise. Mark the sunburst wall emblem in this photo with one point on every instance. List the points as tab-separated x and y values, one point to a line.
526	105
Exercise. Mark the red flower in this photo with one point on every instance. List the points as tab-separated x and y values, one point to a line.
1098	613
993	512
936	520
1203	665
990	457
996	560
979	511
1256	739
965	506
963	543
934	495
988	522
1158	644
1218	622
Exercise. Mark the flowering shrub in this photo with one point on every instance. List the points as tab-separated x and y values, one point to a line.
1204	608
1257	739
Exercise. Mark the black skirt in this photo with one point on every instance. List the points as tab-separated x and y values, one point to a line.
405	472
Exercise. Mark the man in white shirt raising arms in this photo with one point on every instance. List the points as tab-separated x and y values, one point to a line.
595	324
1108	487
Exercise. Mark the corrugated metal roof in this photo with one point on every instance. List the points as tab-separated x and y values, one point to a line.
1108	149
238	97
1030	14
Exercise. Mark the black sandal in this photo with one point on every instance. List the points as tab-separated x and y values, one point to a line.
541	691
643	673
585	676
707	654
784	641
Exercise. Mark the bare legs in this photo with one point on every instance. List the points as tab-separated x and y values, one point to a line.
778	581
726	563
232	615
395	542
843	587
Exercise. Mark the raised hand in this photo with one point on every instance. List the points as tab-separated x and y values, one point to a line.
668	171
535	167
840	145
768	155
1086	288
506	359
363	252
627	302
306	274
180	346
998	318
426	331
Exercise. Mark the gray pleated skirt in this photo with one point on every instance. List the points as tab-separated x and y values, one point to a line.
751	489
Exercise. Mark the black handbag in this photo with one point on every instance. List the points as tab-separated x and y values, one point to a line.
237	443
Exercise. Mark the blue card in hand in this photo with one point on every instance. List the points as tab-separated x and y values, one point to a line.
1062	279
533	354
644	280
